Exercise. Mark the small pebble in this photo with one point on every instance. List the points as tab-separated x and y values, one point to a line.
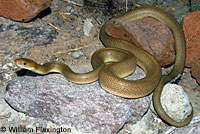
77	54
78	29
5	67
87	26
8	77
10	64
69	8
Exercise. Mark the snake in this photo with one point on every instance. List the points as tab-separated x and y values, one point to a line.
119	59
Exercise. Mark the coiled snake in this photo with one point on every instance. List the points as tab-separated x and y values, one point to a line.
125	55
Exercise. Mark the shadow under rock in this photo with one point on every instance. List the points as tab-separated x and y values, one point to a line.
25	72
41	15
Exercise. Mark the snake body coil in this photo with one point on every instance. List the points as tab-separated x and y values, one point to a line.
121	51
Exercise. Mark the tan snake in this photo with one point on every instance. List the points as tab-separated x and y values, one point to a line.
123	53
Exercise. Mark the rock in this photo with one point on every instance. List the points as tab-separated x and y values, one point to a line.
77	54
196	71
87	27
190	129
147	33
150	125
175	102
23	10
145	125
87	107
191	24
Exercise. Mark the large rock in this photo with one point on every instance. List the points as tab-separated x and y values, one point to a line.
157	39
147	33
191	24
22	10
87	107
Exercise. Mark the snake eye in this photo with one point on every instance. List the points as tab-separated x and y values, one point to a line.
24	63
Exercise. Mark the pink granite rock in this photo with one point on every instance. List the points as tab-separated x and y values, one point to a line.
22	10
147	33
86	107
191	27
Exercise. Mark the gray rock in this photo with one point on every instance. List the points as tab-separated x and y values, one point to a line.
77	54
88	107
87	26
193	129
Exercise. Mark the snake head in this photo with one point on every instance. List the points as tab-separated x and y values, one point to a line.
25	63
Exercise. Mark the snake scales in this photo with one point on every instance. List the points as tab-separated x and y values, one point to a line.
126	55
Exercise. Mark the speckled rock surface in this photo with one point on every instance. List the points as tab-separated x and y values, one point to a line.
191	129
87	26
175	102
22	10
85	107
147	33
191	24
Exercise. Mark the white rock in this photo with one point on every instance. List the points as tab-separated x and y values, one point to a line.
5	67
8	77
175	102
142	126
10	64
87	26
77	54
147	125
